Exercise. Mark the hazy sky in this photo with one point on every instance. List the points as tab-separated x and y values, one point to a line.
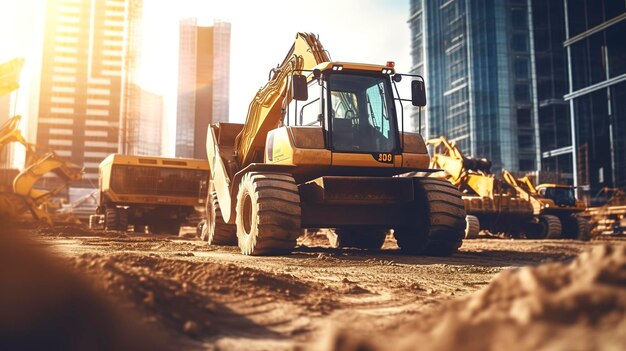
371	31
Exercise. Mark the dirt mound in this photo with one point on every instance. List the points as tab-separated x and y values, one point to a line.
45	305
575	306
185	295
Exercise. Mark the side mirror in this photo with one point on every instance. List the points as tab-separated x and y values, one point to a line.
418	93
299	88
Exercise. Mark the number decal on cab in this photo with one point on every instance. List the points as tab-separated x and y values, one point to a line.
383	157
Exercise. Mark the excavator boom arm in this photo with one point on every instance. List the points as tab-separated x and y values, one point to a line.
463	172
267	108
39	161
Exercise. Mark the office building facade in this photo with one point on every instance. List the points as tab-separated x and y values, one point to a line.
146	124
550	72
203	84
80	114
475	57
596	57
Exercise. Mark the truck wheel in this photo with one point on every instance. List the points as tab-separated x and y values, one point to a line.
472	227
549	228
268	213
94	221
360	238
574	227
217	231
583	233
122	218
111	220
440	226
201	231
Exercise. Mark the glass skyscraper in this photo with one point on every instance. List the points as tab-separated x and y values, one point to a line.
550	73
203	83
476	58
596	56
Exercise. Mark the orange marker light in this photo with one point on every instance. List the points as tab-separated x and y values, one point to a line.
391	64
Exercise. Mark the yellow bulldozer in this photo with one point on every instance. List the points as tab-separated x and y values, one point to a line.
556	203
20	195
323	147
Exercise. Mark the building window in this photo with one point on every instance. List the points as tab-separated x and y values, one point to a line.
522	93
518	19
519	42
521	68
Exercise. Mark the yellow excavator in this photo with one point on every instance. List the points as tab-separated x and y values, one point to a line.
323	147
558	202
21	196
492	204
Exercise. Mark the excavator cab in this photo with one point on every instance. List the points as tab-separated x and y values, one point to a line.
356	109
361	115
323	147
561	195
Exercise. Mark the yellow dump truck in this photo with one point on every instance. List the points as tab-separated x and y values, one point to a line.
157	192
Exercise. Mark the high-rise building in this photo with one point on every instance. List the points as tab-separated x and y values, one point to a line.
203	84
596	57
549	64
475	57
146	126
82	78
132	136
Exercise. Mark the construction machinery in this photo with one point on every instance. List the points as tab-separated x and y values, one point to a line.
554	203
323	147
157	192
20	195
491	204
609	218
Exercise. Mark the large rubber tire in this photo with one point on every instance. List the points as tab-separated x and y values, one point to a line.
550	228
110	219
440	225
575	228
217	231
268	213
122	215
472	227
116	219
201	231
584	230
360	238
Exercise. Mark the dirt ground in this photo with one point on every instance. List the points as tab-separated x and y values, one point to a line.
212	297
